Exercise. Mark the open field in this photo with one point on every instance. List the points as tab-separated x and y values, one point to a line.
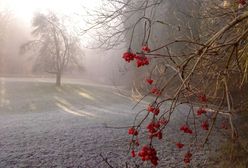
45	126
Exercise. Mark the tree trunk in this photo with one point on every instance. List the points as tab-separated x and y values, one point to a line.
58	79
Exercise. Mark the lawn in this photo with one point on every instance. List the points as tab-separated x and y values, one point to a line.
45	126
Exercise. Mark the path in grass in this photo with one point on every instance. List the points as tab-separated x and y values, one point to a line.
45	126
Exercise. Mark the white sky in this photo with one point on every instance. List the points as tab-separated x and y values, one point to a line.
24	9
73	10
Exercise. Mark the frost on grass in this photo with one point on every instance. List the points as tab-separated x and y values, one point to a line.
70	127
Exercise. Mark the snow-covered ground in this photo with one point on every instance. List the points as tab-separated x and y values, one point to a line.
45	126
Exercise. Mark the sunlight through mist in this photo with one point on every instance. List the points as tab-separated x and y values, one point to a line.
24	9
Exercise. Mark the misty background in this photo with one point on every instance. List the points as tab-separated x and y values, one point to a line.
100	65
103	41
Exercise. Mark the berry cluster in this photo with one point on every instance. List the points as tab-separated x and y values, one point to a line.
149	81
140	60
128	56
187	157
145	48
200	111
155	91
179	145
152	109
133	153
163	122
133	131
153	129
203	98
186	129
149	153
205	125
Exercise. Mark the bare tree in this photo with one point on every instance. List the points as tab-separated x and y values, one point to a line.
56	47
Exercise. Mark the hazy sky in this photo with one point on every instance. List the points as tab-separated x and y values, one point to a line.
24	9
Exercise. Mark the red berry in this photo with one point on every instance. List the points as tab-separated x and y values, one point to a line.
190	131
149	81
153	110
149	153
137	143
128	56
186	129
205	125
156	111
203	98
154	162
150	108
200	111
179	145
188	154
156	125
186	160
187	157
163	121
151	127
132	131
159	135
133	153
145	48
141	60
155	91
141	153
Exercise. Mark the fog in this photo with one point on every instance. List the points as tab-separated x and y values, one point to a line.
80	16
11	62
99	65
